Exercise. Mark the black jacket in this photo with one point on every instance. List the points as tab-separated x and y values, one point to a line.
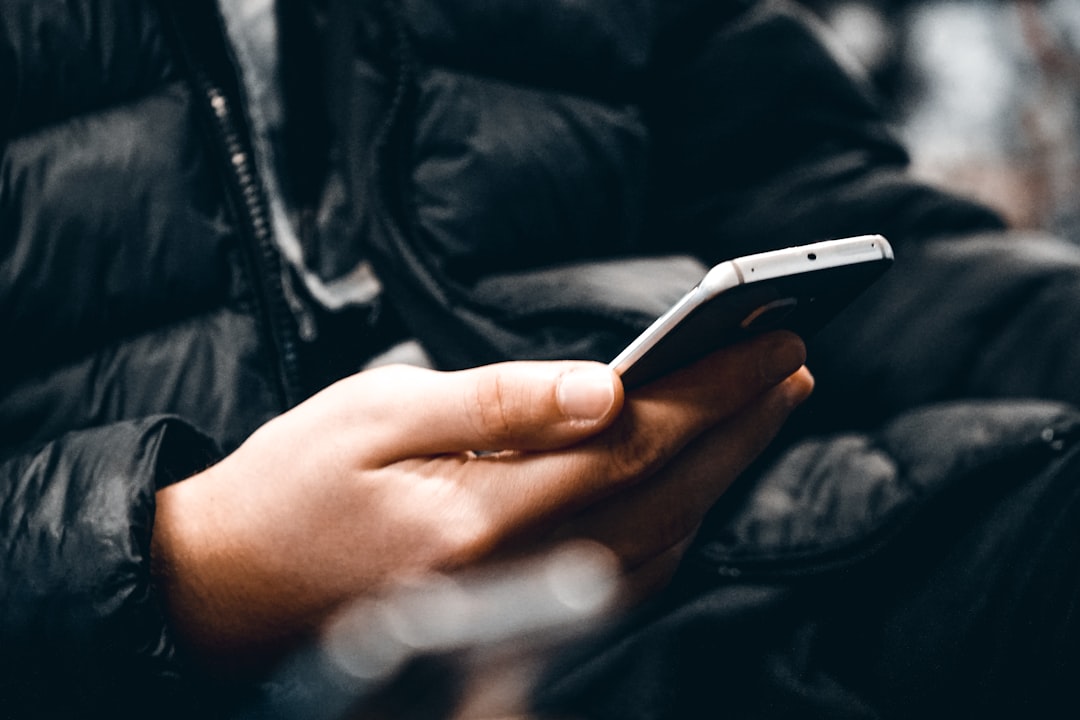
508	170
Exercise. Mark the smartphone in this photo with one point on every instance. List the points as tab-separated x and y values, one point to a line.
798	288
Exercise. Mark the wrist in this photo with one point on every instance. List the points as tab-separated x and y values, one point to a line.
220	612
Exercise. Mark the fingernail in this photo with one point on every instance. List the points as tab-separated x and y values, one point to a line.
586	393
800	390
782	357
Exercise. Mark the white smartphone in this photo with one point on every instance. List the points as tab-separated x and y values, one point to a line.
797	288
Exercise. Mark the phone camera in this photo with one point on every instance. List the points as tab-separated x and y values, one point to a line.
811	256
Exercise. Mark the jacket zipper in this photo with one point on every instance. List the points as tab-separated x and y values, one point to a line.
244	191
268	267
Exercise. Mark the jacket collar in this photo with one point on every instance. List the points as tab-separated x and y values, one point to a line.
251	28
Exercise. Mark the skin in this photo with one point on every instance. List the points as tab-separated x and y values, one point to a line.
375	479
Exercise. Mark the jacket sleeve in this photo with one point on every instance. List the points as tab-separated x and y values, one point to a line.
81	630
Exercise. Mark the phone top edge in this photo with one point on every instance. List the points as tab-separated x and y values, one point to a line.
721	277
886	247
822	255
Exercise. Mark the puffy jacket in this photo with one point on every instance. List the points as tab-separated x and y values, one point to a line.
178	263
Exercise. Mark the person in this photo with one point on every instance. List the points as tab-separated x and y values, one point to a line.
215	214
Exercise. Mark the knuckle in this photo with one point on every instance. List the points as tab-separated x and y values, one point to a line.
656	571
464	544
634	454
672	533
668	528
393	373
493	405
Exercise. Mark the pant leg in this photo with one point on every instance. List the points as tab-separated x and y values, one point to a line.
969	610
984	620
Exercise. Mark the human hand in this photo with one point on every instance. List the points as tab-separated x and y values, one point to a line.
375	479
650	524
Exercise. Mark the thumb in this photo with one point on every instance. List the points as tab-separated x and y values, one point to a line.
506	406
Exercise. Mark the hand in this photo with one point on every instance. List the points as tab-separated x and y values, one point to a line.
375	479
651	524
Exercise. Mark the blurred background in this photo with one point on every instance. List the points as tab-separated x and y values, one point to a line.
986	94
